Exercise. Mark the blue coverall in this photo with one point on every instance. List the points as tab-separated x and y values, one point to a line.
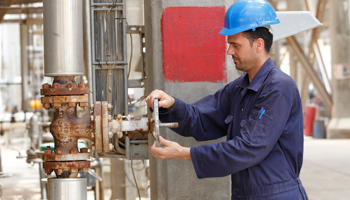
263	123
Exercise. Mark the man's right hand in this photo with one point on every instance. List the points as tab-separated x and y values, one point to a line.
165	100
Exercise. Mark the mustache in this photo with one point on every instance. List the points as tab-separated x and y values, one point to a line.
234	57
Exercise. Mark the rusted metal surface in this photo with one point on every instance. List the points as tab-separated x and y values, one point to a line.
97	122
66	157
105	128
65	91
68	166
67	128
65	99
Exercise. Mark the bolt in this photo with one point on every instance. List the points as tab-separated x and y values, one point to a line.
47	106
48	150
82	85
72	105
73	150
58	151
110	146
84	170
59	172
92	107
109	107
71	85
110	135
82	104
93	147
57	105
56	85
110	118
46	86
92	118
84	150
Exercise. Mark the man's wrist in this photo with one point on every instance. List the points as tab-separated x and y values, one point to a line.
186	153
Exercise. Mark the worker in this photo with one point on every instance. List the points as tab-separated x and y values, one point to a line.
260	113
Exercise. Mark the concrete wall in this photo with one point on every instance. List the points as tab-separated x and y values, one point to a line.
176	179
339	126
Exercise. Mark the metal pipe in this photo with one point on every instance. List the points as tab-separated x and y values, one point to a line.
63	38
67	188
87	46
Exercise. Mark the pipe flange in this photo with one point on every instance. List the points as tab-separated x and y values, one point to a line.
56	101
72	166
64	91
66	157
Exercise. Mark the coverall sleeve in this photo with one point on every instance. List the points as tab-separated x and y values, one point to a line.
257	138
203	120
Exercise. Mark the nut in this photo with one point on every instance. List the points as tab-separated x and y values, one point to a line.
120	134
48	171
59	172
93	148
48	150
56	85
84	150
46	86
109	107
73	150
110	118
92	118
72	105
82	85
110	135
92	107
58	151
74	170
110	146
92	134
57	105
71	85
84	170
82	104
47	106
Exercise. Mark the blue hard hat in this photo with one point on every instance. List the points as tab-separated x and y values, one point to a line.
248	14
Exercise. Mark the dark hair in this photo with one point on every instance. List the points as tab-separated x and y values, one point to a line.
260	32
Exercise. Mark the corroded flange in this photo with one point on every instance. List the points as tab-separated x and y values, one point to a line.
71	166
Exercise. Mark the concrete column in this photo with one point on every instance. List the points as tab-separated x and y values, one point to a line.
176	179
339	126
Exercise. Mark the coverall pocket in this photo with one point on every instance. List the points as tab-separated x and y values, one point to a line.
254	130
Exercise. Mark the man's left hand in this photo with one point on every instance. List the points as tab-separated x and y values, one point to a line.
170	150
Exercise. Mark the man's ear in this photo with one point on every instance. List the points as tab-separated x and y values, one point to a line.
259	45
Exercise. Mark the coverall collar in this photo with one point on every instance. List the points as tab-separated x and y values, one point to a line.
258	78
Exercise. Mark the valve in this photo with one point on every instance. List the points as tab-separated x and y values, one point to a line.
157	123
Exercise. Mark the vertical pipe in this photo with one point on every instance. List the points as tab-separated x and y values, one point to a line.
67	188
87	45
63	38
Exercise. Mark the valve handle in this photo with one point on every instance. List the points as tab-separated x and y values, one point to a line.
157	123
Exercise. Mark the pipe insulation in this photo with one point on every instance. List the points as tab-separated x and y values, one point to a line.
63	38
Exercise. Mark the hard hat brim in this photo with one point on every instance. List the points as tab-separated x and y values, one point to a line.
233	31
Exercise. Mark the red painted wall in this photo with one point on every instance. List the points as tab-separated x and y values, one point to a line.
193	49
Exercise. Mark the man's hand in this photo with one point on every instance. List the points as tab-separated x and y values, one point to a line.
171	150
165	100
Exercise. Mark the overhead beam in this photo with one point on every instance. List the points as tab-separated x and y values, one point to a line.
308	67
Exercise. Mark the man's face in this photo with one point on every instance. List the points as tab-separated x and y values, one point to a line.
242	52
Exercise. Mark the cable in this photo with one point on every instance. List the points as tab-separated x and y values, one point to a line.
131	50
133	174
